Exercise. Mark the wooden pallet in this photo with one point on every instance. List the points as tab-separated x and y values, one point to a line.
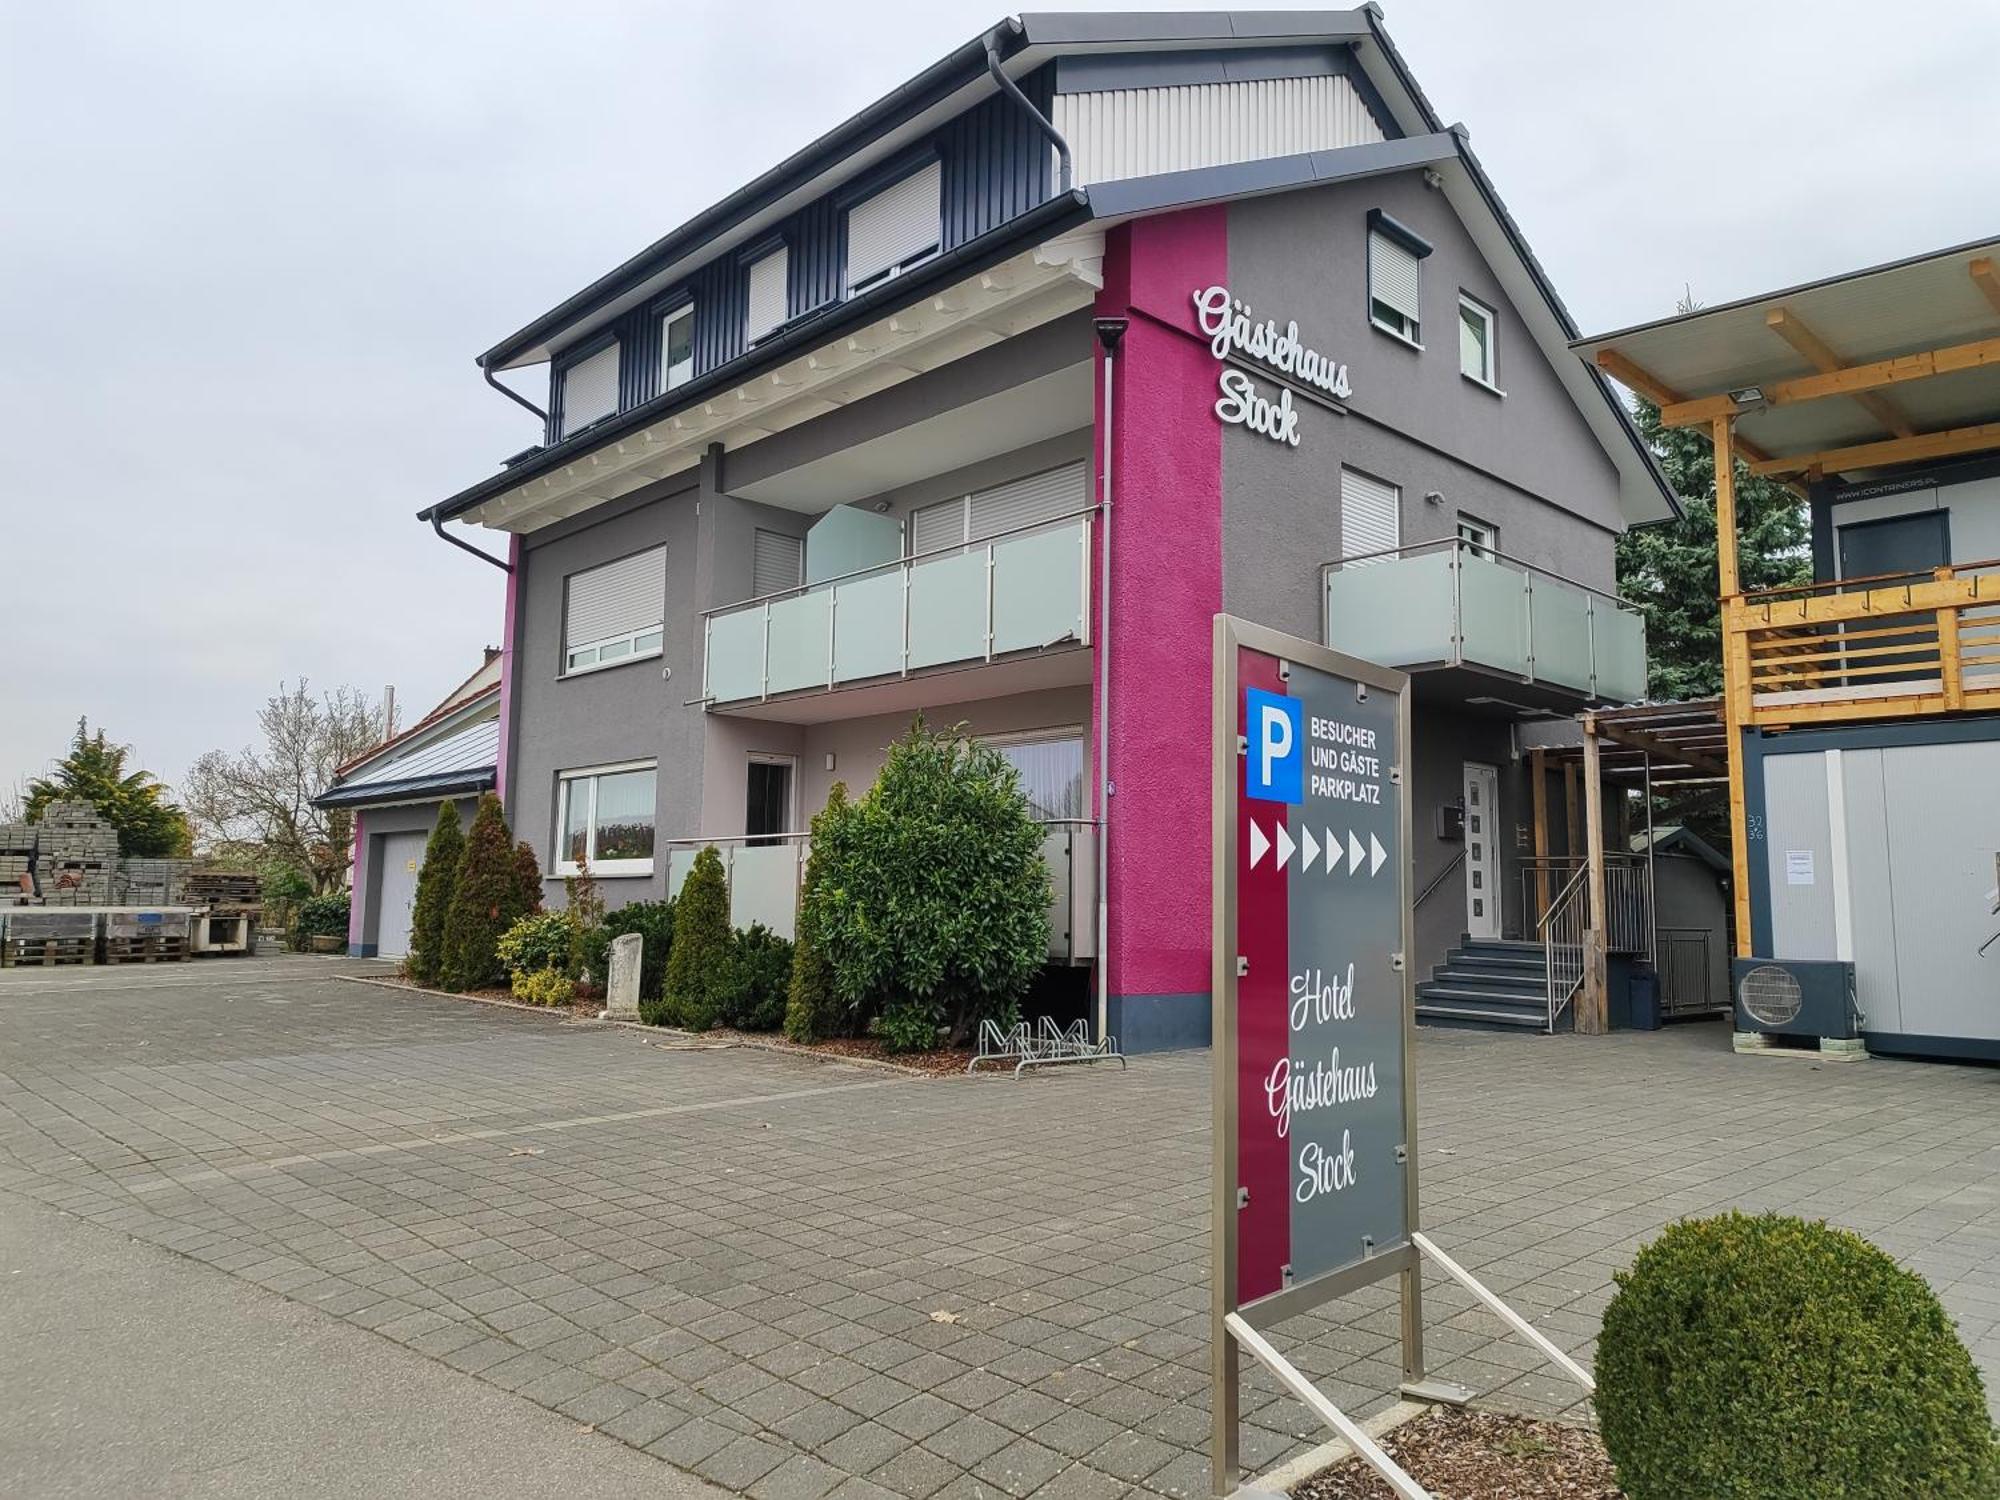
28	953
159	949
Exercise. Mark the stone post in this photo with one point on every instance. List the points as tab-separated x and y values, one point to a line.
621	986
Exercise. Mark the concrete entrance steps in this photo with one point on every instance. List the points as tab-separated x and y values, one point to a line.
1495	985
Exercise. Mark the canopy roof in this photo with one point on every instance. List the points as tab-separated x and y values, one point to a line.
1895	364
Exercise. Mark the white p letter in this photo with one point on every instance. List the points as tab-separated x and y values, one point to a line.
1275	738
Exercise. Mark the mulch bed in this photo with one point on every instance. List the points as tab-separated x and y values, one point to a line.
944	1062
1479	1455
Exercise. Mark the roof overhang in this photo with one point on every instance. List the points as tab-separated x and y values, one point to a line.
1895	364
415	789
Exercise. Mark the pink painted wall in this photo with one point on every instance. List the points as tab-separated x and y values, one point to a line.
357	883
514	556
1165	591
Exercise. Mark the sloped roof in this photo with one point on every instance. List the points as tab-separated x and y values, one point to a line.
463	760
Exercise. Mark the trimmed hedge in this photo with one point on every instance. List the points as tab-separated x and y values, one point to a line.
761	975
1766	1358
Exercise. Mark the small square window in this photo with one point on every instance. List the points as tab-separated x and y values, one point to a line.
1480	539
1476	326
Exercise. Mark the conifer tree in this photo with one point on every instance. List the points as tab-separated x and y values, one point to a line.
485	903
700	969
435	882
809	1006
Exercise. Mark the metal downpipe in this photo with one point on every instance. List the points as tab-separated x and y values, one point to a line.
1109	332
1065	173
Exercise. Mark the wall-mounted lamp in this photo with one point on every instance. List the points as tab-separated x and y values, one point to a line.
1433	497
829	760
1750	395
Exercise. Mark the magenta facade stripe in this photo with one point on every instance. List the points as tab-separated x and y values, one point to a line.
357	902
1165	592
507	667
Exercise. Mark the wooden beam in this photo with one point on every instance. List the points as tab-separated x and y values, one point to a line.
1572	829
1538	768
1593	1007
1986	276
1788	326
1924	445
1657	391
1719	437
1652	744
1699	411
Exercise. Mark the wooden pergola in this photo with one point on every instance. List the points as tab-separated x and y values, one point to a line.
1860	377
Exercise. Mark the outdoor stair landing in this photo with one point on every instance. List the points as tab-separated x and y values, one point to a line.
1499	985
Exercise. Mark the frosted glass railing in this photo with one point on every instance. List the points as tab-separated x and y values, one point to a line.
1450	604
1020	591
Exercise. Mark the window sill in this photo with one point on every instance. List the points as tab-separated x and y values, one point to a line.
1485	385
1395	333
606	666
613	869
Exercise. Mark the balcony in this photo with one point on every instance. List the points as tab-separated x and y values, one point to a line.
1011	598
1452	604
1896	646
765	876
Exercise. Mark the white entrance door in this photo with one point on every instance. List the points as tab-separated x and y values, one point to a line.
1482	855
399	857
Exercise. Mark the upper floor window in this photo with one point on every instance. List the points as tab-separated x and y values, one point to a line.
615	613
1371	517
1476	358
892	230
590	389
605	815
1395	277
770	302
677	347
1048	496
1480	538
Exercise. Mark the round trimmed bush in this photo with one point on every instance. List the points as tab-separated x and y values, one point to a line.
1766	1358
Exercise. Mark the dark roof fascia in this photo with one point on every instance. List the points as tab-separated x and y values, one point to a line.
1116	28
809	331
1166	191
964	65
414	789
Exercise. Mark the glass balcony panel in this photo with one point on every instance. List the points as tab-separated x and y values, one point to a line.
1561	616
736	655
1396	612
1493	603
1038	588
948	609
764	886
680	860
800	640
1619	635
868	626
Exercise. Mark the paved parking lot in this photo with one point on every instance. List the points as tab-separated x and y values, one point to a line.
796	1278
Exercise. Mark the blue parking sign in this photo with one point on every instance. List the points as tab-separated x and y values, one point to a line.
1277	753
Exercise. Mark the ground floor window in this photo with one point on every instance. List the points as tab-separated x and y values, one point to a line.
605	815
1051	768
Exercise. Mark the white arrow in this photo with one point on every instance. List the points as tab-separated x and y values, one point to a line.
1334	853
1353	853
1376	854
1259	845
1285	845
1312	850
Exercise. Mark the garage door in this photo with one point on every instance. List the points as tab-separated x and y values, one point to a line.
402	855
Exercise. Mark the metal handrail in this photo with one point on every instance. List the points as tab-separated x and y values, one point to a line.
1871	580
898	562
1628	895
1561	930
724	840
1460	544
1438	880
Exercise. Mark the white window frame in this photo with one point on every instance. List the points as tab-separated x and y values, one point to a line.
643	644
613	868
1413	335
1481	538
1490	376
671	316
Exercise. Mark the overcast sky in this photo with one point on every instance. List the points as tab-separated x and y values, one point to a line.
249	250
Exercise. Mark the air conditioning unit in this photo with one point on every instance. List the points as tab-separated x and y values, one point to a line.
1795	997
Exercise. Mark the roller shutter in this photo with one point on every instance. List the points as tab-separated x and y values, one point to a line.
889	228
617	599
1370	515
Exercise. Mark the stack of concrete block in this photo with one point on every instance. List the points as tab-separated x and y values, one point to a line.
151	882
77	851
17	863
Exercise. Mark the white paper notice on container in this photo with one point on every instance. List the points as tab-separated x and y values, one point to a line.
1798	867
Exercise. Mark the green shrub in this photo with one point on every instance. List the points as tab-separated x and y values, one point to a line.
324	916
590	944
762	975
700	970
1766	1358
540	940
654	922
527	879
908	1026
932	888
488	897
543	987
435	883
809	1002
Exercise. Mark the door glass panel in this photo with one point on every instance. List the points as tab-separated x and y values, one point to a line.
768	800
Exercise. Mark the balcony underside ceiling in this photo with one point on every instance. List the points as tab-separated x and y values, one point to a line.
1061	666
1492	694
985	309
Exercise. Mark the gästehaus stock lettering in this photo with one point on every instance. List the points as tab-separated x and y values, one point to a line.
1231	327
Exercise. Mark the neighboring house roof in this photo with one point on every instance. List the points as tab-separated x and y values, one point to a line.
463	760
1671	838
958	82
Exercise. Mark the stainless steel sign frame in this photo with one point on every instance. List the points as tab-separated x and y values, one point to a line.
1315	1126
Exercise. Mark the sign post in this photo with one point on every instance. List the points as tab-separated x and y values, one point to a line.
1315	1136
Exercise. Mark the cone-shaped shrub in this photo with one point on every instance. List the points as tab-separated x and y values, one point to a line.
527	879
435	882
809	1007
700	969
1765	1358
484	905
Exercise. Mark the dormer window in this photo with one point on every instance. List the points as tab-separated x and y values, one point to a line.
1395	278
677	347
770	303
893	229
590	389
